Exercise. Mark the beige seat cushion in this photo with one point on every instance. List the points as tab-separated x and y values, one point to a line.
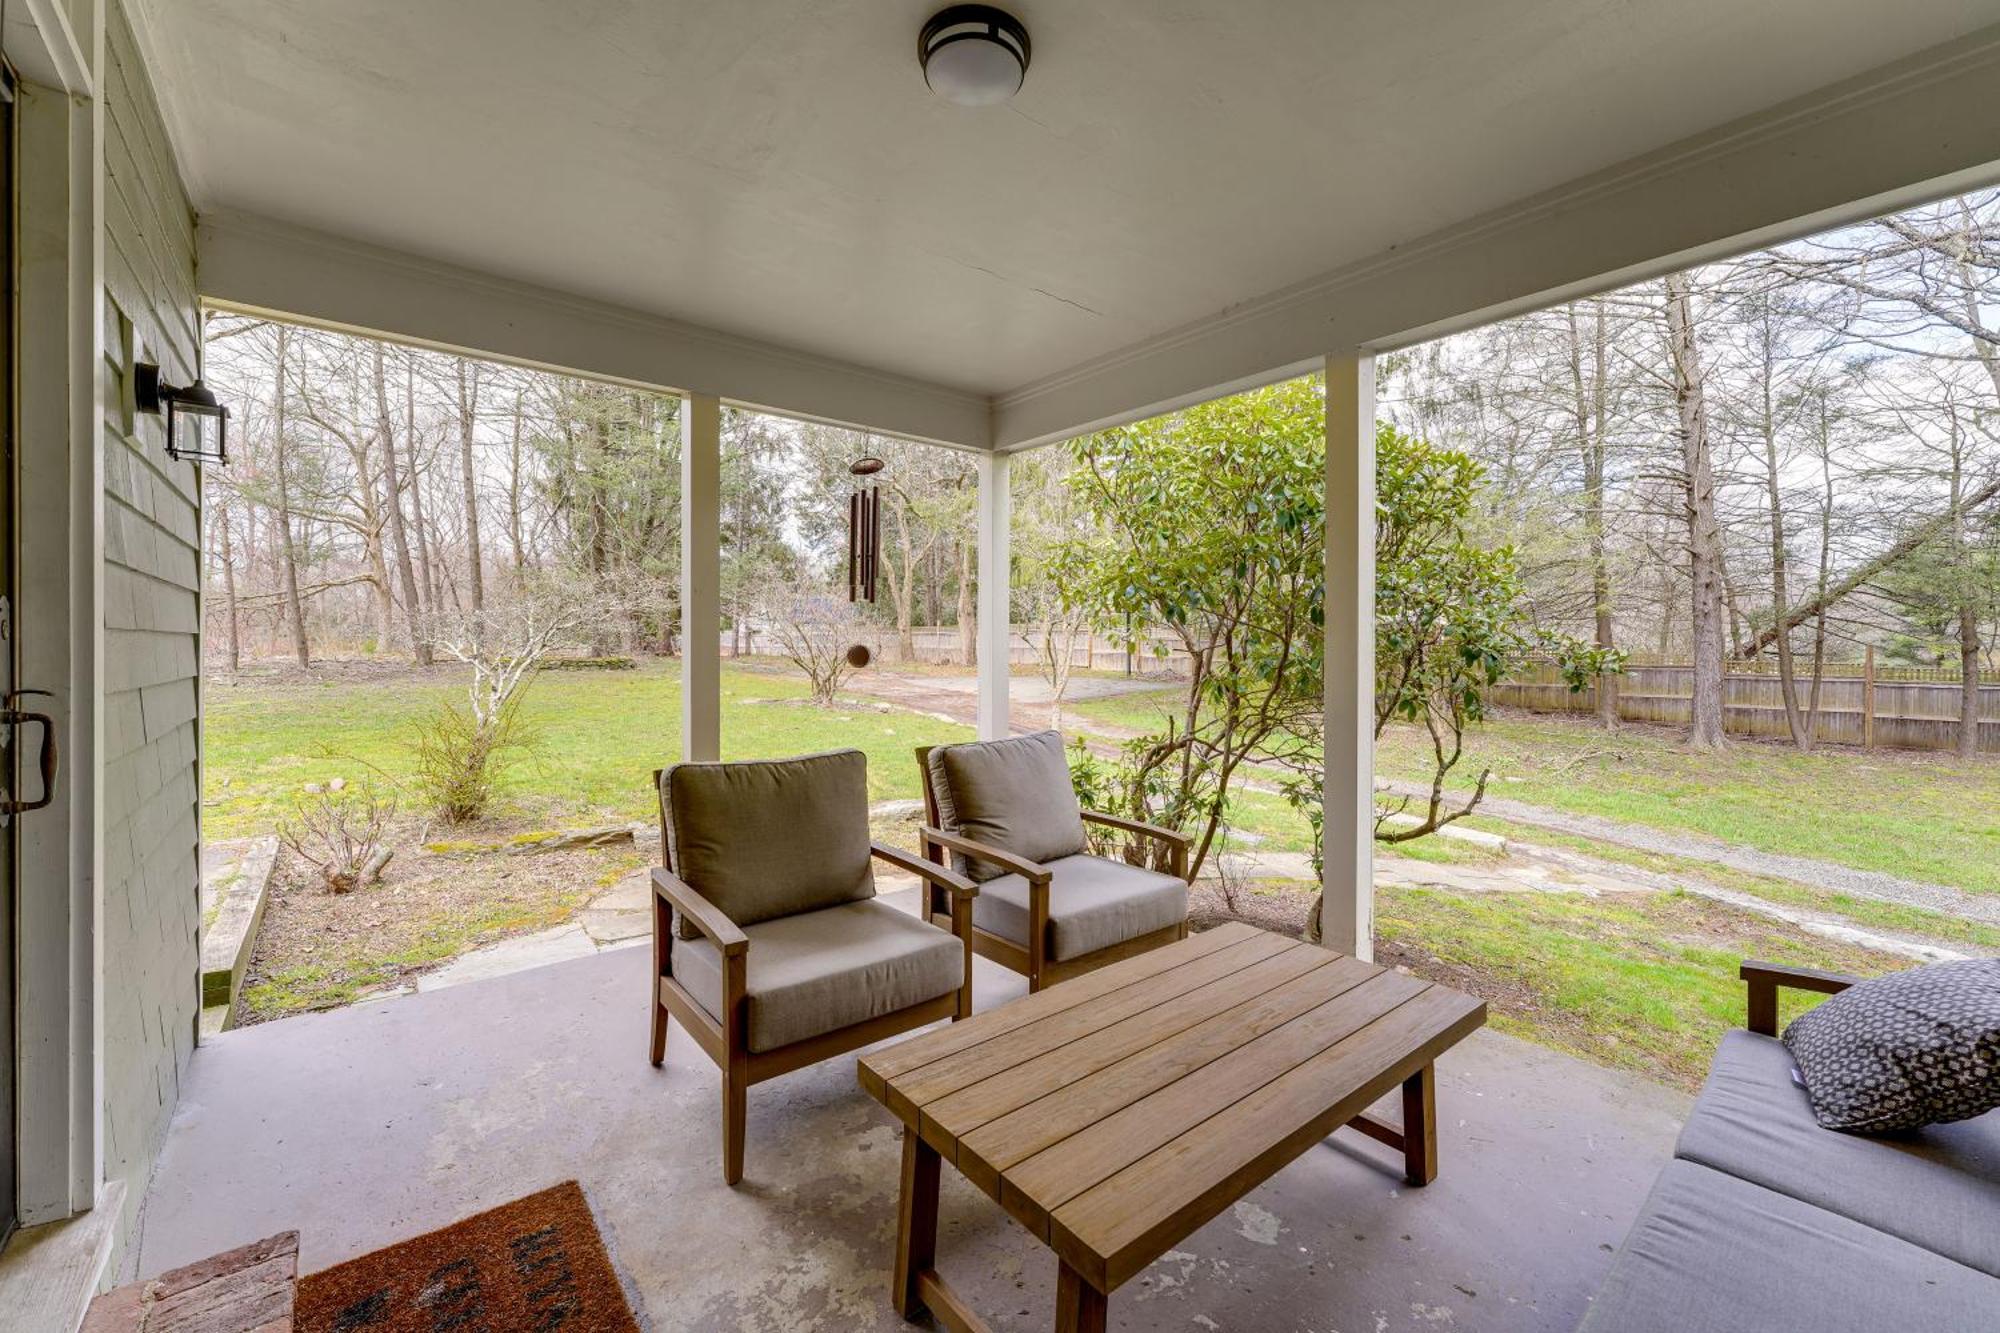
821	971
1094	903
1014	795
771	838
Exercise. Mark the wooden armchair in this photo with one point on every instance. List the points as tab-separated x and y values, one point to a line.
768	944
1005	812
1766	979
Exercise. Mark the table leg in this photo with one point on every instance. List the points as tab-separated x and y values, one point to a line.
1420	1153
1080	1307
916	1224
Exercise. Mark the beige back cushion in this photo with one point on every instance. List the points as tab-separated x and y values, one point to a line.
1015	795
771	838
947	815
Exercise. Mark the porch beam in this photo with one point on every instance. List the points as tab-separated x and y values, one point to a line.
701	577
994	601
278	270
1347	912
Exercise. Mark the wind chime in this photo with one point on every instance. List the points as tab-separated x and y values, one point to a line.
864	531
864	543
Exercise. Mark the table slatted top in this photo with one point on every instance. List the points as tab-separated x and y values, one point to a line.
1115	1113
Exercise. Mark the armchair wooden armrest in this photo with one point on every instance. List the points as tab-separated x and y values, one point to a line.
1764	980
1177	844
979	851
705	915
943	877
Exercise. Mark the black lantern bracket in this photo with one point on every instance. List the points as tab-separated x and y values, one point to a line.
197	424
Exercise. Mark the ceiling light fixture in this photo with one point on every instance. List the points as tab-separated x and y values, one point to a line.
974	55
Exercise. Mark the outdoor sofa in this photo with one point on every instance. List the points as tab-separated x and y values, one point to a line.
1766	1221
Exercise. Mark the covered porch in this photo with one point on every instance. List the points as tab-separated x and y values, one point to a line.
762	206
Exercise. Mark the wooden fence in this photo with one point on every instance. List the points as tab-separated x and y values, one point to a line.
1855	709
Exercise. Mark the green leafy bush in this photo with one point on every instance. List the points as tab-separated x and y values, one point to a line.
459	758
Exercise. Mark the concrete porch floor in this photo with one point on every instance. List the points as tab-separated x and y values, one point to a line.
370	1124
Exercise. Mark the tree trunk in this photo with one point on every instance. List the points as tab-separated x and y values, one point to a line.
902	576
1592	409
600	520
426	568
1968	687
1707	620
1864	573
1968	611
968	614
468	421
288	554
392	475
1781	596
514	535
1825	569
229	593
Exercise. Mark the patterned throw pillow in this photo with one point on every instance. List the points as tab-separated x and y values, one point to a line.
1914	1048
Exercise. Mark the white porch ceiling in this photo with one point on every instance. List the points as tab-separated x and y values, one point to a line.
775	170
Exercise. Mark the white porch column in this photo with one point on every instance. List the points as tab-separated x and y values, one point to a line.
701	577
1347	916
995	613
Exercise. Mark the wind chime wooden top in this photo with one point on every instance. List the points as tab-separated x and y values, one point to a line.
864	531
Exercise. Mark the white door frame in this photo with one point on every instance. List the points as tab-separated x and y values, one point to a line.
59	341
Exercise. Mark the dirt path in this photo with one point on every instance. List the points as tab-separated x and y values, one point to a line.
1826	875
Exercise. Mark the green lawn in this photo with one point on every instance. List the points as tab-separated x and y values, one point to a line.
1921	816
599	735
1642	982
1139	711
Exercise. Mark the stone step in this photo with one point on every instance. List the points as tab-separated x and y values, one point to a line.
235	884
250	1289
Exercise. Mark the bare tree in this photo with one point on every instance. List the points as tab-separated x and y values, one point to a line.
1592	409
814	629
1704	543
392	475
288	551
467	377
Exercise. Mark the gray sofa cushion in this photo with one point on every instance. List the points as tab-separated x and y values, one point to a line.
1714	1254
1938	1188
770	838
1094	903
1910	1049
1014	794
821	971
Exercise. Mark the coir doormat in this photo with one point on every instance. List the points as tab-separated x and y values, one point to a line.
536	1265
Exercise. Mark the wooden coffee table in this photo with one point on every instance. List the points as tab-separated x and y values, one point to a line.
1115	1113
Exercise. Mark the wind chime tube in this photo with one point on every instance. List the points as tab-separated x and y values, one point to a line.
853	545
874	536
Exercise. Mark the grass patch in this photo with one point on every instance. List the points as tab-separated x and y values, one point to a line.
599	736
1919	816
1645	982
1141	710
1868	913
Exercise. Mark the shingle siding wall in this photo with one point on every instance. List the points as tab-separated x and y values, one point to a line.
152	526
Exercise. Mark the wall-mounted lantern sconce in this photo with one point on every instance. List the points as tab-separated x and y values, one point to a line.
197	425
